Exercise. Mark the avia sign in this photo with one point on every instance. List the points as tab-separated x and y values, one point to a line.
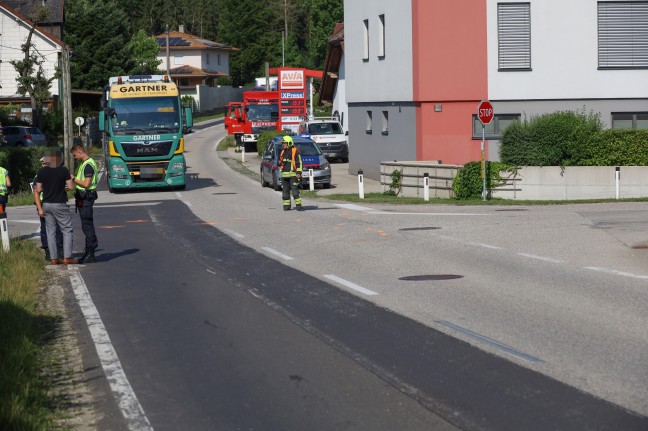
485	112
291	79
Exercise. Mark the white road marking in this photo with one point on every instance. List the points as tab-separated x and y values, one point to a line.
236	234
546	259
125	396
480	244
496	344
350	285
135	204
277	253
211	272
368	210
10	220
615	272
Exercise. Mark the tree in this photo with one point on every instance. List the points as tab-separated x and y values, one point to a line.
31	78
144	51
99	46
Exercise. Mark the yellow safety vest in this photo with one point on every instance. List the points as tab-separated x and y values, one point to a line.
80	176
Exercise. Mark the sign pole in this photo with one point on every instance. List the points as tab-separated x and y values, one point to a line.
483	163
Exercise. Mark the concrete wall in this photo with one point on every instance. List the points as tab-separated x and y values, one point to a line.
575	182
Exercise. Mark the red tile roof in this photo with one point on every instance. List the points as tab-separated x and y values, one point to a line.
181	41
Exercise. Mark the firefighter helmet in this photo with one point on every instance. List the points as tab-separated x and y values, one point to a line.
288	140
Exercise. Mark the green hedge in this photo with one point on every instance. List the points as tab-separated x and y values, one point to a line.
616	148
265	137
22	164
556	139
468	182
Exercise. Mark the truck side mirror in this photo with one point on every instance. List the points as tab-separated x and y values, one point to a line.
110	112
188	117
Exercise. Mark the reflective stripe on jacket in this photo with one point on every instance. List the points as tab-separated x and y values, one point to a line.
80	176
290	165
3	181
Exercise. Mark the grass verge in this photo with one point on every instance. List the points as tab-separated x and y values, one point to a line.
24	331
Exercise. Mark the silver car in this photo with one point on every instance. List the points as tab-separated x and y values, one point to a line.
23	136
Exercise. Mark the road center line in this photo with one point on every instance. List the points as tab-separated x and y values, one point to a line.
277	253
236	234
350	285
615	272
496	344
123	392
480	244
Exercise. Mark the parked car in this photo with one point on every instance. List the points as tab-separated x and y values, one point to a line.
312	158
327	132
23	136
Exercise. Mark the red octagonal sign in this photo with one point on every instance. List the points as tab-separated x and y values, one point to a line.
485	112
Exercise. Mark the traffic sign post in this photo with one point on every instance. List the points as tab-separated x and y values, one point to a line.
485	113
79	122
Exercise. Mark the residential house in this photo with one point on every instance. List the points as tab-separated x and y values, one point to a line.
14	30
333	87
53	23
418	69
192	60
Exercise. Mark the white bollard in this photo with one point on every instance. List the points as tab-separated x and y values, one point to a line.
243	153
311	180
360	184
426	187
617	175
5	232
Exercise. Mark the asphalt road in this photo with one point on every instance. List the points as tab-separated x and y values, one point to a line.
228	313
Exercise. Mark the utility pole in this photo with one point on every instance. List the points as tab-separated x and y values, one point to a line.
286	18
66	97
167	47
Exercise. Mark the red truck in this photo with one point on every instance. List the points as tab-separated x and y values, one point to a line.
258	112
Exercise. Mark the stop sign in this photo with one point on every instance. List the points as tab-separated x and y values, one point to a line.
485	112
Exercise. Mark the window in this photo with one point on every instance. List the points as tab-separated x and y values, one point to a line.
381	36
218	59
623	35
207	58
495	129
365	38
178	59
369	125
514	36
183	82
630	120
385	123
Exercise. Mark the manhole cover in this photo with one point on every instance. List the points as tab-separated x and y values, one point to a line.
420	228
513	209
430	277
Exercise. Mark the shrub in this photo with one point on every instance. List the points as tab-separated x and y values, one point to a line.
616	148
266	137
555	139
468	182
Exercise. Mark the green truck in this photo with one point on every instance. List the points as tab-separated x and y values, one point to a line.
142	124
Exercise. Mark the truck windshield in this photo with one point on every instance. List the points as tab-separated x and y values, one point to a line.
146	115
325	129
263	112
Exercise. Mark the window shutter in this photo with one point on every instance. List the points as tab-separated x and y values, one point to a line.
514	36
623	35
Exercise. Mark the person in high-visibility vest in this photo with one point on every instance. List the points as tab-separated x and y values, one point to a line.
85	194
290	165
5	183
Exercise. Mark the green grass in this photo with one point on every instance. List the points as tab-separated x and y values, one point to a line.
24	403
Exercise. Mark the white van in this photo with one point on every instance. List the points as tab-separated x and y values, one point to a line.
327	133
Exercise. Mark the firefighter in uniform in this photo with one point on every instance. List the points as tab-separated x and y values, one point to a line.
5	183
290	164
85	194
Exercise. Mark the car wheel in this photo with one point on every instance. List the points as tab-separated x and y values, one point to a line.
326	185
275	185
264	183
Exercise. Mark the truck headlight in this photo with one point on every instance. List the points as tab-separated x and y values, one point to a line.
119	168
177	166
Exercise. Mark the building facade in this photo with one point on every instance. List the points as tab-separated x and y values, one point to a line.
416	71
